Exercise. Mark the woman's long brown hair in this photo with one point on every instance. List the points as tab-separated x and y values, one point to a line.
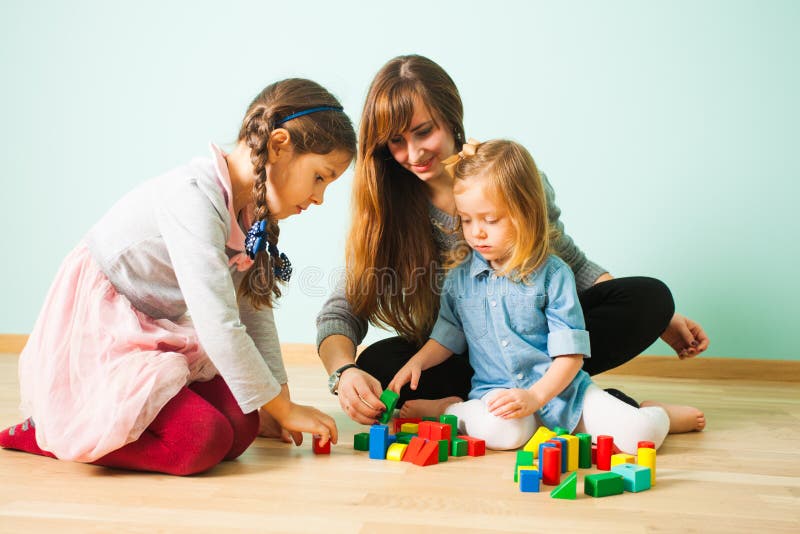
392	258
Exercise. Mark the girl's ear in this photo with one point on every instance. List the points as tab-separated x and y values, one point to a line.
279	145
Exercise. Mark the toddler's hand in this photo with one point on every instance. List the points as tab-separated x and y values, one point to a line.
410	372
513	403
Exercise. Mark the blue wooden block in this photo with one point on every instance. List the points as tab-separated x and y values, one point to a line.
564	452
635	478
542	446
529	480
378	441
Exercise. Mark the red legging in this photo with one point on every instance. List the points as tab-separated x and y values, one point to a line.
197	429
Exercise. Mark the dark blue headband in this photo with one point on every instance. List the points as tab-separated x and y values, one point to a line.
307	111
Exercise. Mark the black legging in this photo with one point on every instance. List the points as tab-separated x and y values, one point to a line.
623	316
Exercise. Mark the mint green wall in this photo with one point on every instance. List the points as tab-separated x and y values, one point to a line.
667	129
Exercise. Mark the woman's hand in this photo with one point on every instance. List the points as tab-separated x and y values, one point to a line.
410	372
513	403
685	336
296	419
359	396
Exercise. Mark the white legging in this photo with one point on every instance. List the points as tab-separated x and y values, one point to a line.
603	414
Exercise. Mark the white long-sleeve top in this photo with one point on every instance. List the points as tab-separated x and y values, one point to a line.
167	246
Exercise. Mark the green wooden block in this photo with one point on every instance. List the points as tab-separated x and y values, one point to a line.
444	450
603	484
451	420
635	478
404	437
361	441
584	450
524	457
459	447
389	398
568	489
434	419
560	430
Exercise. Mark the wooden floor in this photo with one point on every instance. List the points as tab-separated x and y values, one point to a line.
740	475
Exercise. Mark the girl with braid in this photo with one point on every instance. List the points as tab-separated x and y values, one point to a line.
156	348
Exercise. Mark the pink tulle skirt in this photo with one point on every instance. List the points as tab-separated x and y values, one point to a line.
96	371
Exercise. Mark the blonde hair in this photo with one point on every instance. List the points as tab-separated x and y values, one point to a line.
318	133
513	182
392	257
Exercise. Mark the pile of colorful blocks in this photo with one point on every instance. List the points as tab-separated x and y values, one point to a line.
558	452
423	442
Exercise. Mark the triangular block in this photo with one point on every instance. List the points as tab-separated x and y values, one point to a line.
567	489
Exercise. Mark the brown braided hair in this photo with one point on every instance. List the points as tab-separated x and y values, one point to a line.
318	133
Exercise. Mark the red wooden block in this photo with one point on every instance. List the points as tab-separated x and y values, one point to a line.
429	454
594	454
646	445
440	431
315	446
605	444
550	466
475	446
399	422
425	428
414	446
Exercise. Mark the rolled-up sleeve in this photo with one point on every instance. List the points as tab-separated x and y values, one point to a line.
567	328
448	330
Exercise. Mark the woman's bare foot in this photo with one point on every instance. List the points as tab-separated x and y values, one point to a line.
427	407
681	418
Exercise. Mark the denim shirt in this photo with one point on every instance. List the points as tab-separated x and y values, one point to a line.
513	330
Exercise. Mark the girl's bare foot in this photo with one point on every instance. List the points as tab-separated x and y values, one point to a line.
427	407
681	418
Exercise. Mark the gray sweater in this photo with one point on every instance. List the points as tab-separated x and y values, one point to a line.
163	246
337	317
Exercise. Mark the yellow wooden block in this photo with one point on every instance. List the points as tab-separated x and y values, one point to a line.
617	459
410	428
396	452
523	467
542	434
573	447
647	458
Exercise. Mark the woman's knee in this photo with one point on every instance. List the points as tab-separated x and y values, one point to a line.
655	302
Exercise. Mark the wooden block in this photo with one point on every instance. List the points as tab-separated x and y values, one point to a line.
524	458
529	480
459	447
573	451
603	484
645	445
396	452
451	420
550	464
585	450
647	457
594	454
604	446
563	446
320	449
424	429
404	437
389	398
361	441
400	421
415	445
444	449
560	430
567	489
378	441
429	455
409	428
440	431
635	478
617	459
541	435
519	468
475	446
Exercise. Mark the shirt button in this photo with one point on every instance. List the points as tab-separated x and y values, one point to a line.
494	303
494	277
520	376
504	343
